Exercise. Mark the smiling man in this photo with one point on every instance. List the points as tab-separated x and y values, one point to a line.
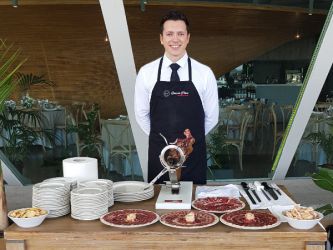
175	93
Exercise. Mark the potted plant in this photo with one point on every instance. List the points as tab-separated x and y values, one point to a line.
20	136
89	143
9	64
324	179
216	156
25	81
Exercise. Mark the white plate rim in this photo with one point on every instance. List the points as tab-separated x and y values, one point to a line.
219	212
277	223
130	226
216	220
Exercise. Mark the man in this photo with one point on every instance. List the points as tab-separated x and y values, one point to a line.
174	93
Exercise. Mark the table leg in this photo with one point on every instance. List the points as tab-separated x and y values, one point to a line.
315	246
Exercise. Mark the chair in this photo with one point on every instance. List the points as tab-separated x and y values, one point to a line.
62	124
234	115
77	108
239	142
312	127
117	135
257	119
277	135
322	106
286	111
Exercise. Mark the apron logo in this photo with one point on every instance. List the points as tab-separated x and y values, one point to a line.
180	93
166	93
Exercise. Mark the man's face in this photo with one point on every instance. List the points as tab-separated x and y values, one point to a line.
174	39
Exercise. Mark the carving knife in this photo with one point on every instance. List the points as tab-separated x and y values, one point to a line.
253	188
247	191
267	197
270	190
276	188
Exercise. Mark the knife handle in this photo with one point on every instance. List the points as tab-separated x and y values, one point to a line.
265	185
244	185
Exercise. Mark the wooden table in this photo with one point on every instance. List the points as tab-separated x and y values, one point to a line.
67	233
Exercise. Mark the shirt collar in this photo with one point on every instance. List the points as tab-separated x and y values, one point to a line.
181	62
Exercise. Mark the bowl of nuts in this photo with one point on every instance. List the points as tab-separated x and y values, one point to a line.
302	217
28	217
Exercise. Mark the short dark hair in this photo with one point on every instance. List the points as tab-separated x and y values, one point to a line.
175	16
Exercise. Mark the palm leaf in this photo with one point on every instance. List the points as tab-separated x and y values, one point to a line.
325	210
25	81
9	65
323	179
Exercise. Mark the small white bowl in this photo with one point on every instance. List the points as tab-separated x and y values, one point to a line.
302	224
28	222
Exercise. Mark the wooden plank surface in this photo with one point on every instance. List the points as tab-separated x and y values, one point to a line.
65	232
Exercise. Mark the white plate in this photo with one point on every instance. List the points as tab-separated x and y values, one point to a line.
51	185
216	220
89	191
218	211
278	222
129	226
130	187
94	217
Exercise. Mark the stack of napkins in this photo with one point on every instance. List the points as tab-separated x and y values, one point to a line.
217	191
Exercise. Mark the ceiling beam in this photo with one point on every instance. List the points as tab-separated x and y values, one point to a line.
172	4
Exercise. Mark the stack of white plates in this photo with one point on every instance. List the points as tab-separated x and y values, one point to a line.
71	181
52	196
89	203
130	191
108	184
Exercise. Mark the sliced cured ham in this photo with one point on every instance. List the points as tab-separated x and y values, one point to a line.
250	219
180	219
218	204
129	218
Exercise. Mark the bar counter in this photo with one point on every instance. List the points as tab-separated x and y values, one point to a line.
68	233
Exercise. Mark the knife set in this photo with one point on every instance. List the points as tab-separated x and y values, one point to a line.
270	191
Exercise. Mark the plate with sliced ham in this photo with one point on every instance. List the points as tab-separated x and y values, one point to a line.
186	219
129	218
218	204
250	219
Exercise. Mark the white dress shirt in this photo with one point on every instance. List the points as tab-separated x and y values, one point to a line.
202	78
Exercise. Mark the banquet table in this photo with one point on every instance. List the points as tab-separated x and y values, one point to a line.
49	120
68	233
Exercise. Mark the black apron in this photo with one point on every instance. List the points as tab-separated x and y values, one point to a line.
174	107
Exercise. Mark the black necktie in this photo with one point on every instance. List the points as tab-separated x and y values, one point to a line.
174	74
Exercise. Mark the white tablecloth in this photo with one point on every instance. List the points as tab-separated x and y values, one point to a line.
49	120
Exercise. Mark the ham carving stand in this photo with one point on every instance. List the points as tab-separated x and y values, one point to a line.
174	194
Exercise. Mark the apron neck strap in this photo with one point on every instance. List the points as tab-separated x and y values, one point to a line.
189	69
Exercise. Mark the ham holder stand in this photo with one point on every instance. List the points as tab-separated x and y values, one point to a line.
174	194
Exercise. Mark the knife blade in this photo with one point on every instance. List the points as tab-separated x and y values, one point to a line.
276	188
270	190
267	197
247	191
253	188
